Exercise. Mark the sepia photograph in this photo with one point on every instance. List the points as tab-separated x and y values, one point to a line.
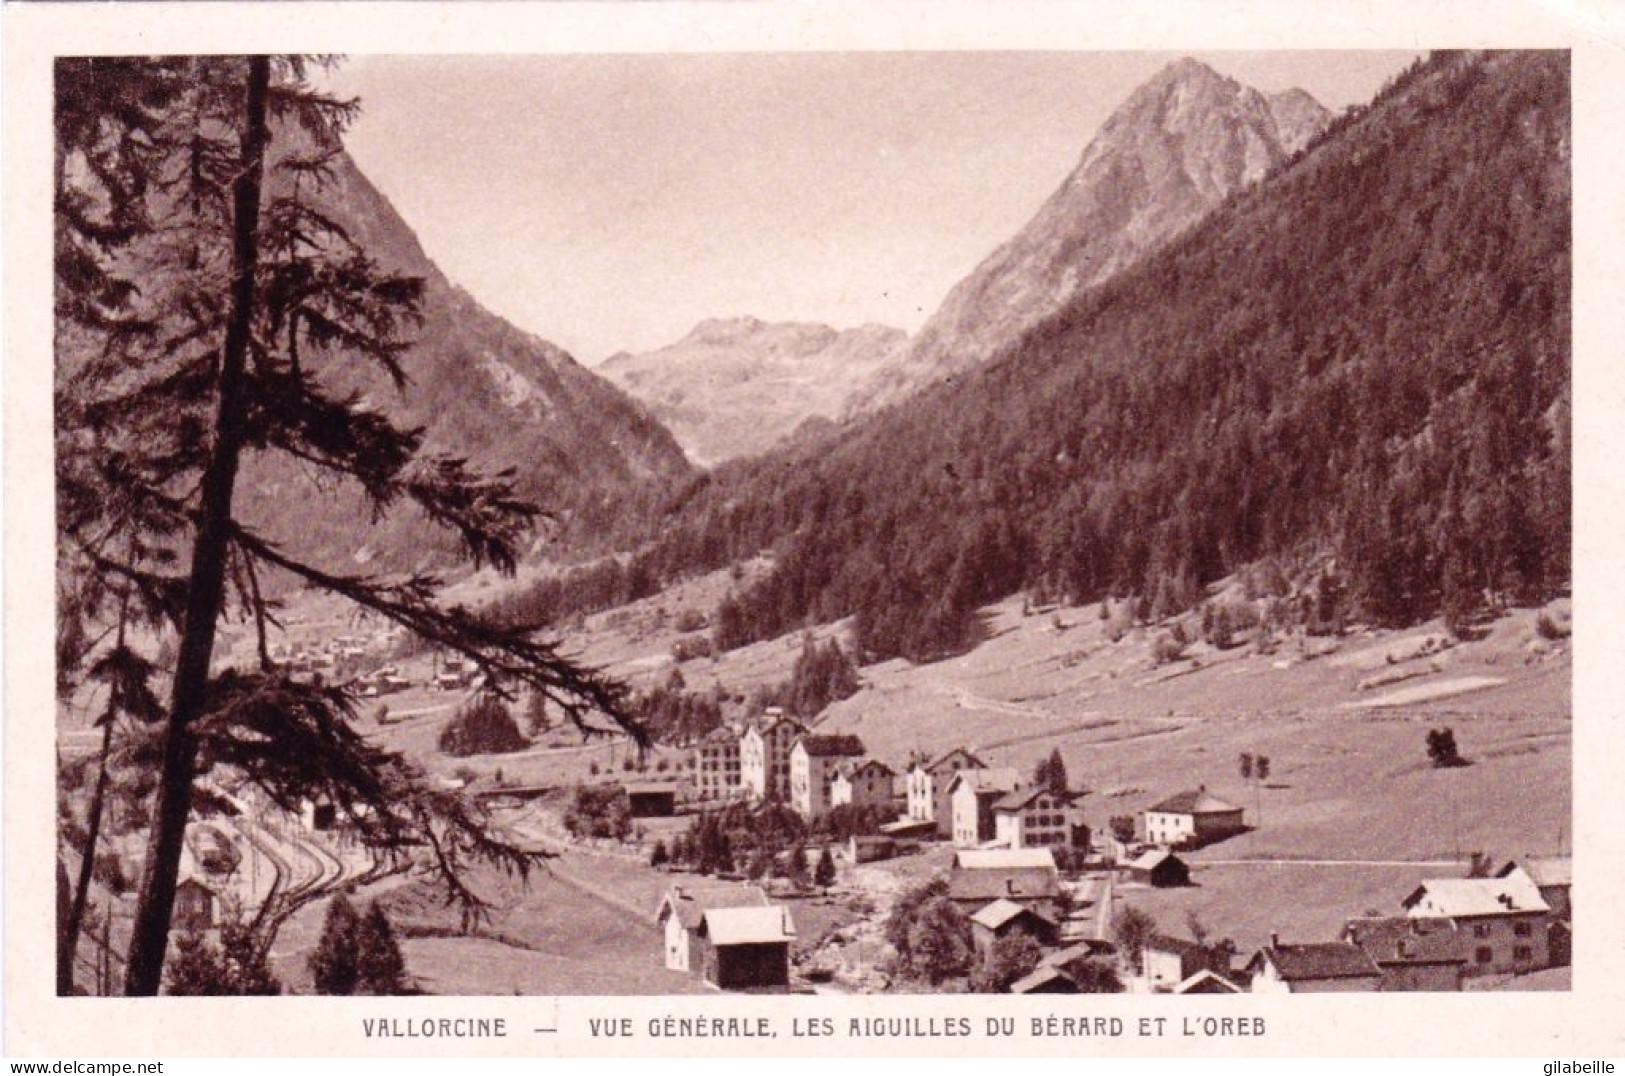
813	523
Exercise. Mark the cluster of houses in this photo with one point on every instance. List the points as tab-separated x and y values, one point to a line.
1447	931
956	795
1007	830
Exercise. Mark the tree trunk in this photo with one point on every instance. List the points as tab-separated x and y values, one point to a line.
209	551
69	937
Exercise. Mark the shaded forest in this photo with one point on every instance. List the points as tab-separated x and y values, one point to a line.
1360	363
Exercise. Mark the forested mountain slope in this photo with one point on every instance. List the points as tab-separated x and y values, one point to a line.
1364	357
482	389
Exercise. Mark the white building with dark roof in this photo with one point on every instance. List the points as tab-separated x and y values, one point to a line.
973	794
1191	819
1504	923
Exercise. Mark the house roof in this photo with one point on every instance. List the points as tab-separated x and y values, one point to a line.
1079	951
1544	871
721	734
646	787
1001	911
852	769
1019	798
1196	801
1181	947
1317	960
981	886
749	926
691	903
1400	939
1151	858
983	782
1206	981
1041	976
943	759
842	745
1467	897
973	859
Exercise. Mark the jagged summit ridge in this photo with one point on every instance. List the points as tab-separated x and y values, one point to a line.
1175	149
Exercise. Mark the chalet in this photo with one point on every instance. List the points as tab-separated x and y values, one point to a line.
1550	875
1190	820
683	908
764	755
862	849
1312	968
928	799
717	766
814	762
1001	918
1413	954
1160	868
1504	924
746	948
1166	961
973	794
194	906
1038	817
652	799
862	784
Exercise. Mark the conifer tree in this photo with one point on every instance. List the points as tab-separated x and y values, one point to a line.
380	968
824	873
201	291
335	963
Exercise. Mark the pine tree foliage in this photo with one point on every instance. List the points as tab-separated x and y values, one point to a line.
201	290
382	969
335	962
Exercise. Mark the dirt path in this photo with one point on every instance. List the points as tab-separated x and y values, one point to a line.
1452	863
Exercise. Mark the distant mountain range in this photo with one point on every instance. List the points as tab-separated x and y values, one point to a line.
482	389
733	387
1173	151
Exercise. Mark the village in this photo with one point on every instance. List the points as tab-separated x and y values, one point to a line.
777	854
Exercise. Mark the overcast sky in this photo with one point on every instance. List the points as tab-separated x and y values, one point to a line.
610	202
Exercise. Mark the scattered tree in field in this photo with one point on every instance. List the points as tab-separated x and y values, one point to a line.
381	970
659	856
1480	865
1051	773
333	964
1196	928
824	873
599	812
1131	929
201	289
1122	826
1246	766
1442	749
795	867
759	864
483	727
1011	957
236	967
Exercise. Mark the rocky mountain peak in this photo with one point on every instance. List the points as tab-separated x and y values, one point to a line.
1176	148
